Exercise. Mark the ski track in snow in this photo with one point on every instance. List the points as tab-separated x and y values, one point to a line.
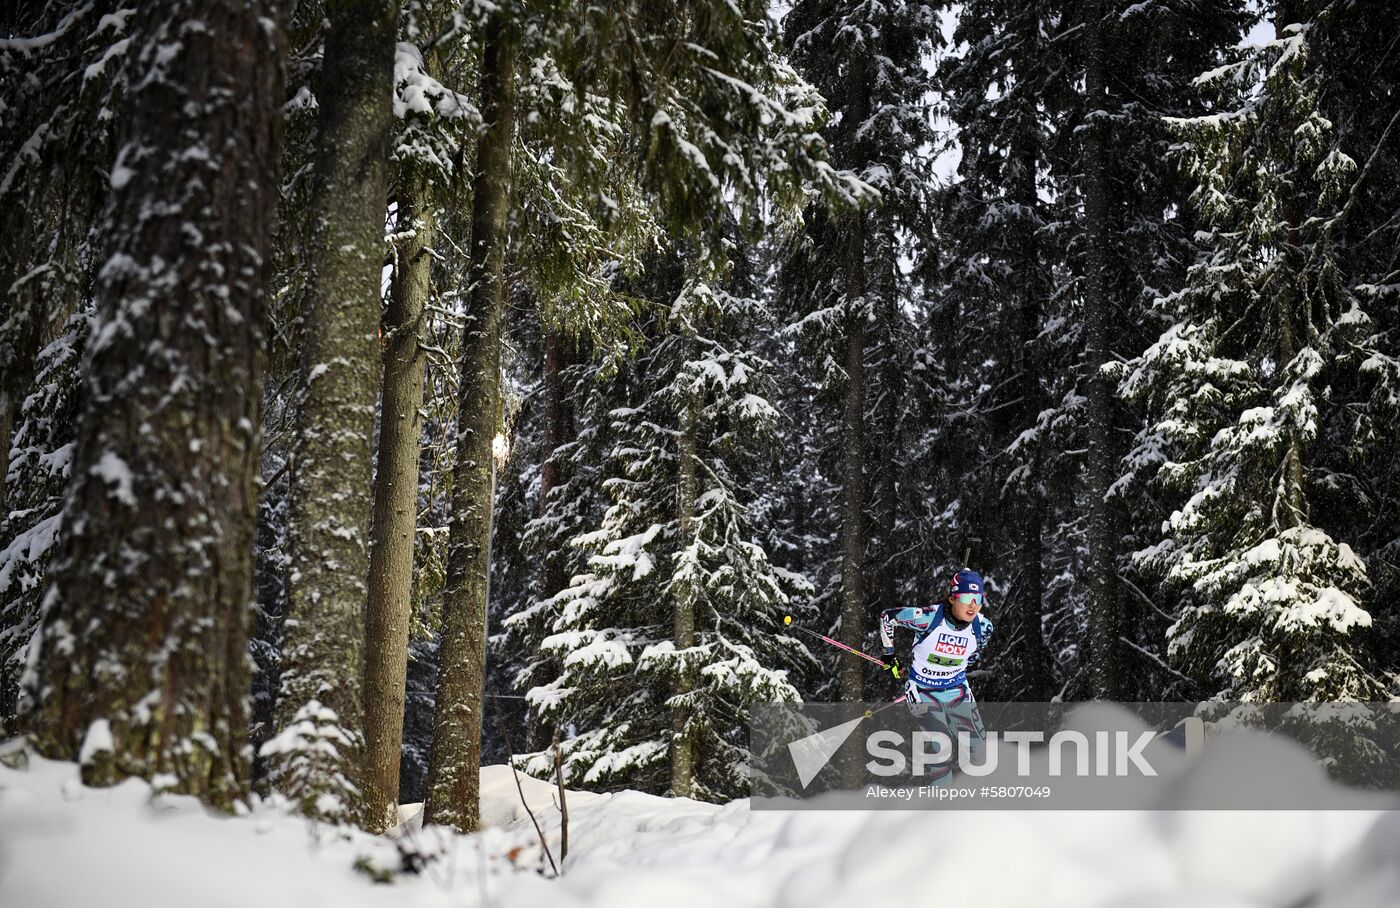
67	846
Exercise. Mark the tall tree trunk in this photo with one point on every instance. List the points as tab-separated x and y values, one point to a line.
1288	512
1035	655
8	408
454	782
556	435
853	474
1286	300
9	645
551	578
853	605
330	490
395	523
682	745
143	666
886	412
1103	610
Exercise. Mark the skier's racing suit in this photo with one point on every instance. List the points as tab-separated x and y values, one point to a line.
937	690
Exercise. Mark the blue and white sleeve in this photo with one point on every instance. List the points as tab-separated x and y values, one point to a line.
982	627
917	619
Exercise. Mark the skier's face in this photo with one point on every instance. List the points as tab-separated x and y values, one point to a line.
965	606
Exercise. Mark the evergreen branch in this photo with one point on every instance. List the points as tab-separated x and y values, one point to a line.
1355	192
1152	656
1136	589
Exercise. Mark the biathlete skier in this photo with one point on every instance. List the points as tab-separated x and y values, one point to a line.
949	638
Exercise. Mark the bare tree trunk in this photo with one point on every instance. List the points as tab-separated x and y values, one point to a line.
687	488
1286	299
390	609
330	490
886	412
1287	295
1035	655
853	605
551	577
454	782
556	360
1103	608
853	504
8	407
143	661
9	680
1292	482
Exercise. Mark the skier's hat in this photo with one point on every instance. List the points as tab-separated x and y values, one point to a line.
966	581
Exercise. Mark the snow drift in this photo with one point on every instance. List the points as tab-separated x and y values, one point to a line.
66	846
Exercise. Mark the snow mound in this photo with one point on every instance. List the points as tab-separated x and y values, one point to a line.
62	844
500	800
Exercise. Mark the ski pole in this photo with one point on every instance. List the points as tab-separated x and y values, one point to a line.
872	712
787	620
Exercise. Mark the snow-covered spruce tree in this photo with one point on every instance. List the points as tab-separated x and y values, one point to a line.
60	89
794	503
1267	333
579	225
677	626
505	715
1061	218
41	461
1360	101
567	235
798	511
1127	234
578	220
992	342
313	757
716	134
866	60
572	506
140	667
583	223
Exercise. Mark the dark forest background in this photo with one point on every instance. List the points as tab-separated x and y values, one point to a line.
505	372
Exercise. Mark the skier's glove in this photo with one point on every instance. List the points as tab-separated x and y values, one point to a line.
896	667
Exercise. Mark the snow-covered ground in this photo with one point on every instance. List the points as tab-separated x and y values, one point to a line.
65	845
